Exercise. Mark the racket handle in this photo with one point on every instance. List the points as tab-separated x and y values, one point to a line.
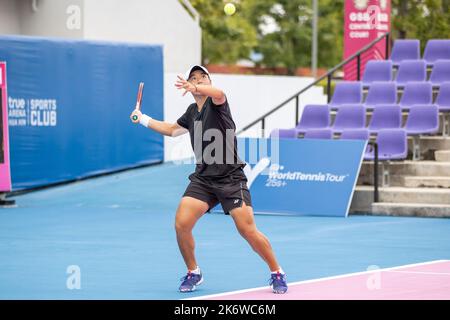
135	118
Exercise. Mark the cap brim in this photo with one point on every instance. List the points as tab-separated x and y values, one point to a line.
194	68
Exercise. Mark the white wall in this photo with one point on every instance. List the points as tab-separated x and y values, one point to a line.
147	21
9	17
53	18
249	98
143	21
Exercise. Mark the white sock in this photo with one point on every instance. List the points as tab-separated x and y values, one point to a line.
279	270
196	270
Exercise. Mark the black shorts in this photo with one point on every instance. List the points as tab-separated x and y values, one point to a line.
230	191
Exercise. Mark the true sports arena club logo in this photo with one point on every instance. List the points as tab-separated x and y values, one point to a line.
278	176
32	112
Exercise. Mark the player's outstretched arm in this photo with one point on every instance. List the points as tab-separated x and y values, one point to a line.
162	127
217	95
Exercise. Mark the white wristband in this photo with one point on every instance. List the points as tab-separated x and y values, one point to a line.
145	120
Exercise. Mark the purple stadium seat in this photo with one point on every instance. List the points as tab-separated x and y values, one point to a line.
436	49
440	73
381	93
443	104
422	119
355	134
385	117
348	93
326	133
314	117
411	70
350	117
284	133
377	70
392	145
416	93
443	97
405	49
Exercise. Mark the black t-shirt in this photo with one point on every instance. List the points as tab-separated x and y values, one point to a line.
213	139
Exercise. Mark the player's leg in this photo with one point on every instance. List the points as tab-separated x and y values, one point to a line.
235	198
189	211
197	199
245	224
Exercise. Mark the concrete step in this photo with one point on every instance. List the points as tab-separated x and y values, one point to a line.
413	195
409	181
408	168
428	182
442	155
363	197
428	146
411	209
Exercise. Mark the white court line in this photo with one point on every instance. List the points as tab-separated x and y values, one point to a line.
317	280
422	272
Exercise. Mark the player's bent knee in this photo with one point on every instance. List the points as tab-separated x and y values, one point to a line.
181	225
247	232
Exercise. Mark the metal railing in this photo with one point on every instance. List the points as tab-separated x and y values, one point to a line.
328	75
374	145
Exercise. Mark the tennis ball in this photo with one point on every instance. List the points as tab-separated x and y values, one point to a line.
229	9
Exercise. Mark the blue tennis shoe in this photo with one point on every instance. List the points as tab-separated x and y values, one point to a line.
190	282
278	282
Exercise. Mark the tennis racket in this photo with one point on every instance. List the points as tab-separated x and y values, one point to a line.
139	99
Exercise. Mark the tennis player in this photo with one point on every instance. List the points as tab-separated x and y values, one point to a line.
218	176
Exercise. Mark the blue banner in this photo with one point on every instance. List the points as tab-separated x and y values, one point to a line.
301	176
69	104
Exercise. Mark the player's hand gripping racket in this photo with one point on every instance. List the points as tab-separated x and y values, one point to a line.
138	101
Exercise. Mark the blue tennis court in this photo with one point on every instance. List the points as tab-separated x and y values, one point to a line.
119	231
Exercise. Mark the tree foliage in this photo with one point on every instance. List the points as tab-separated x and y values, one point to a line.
421	19
225	39
281	30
